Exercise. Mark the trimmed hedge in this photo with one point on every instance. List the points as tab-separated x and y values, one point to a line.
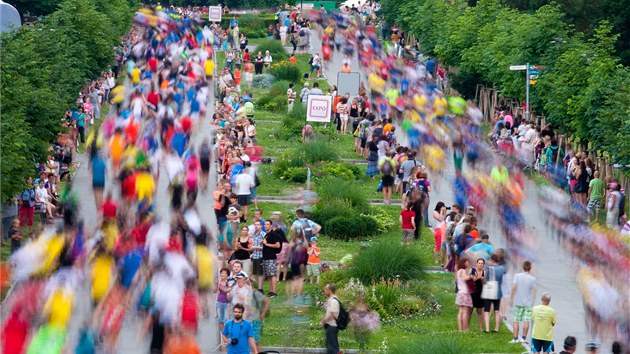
347	228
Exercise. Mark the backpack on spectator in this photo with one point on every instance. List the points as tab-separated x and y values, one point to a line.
307	229
387	168
343	318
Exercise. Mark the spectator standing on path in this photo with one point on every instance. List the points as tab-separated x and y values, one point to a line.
244	184
27	205
522	296
256	309
463	300
570	343
272	245
596	192
408	223
304	93
387	166
257	254
542	332
478	275
308	227
312	266
290	97
591	348
258	63
329	322
613	207
15	235
316	90
495	272
267	60
238	334
372	157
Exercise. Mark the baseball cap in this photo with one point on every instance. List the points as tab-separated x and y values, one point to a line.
591	346
241	275
313	238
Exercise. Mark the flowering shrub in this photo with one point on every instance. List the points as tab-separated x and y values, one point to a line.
383	221
384	297
364	321
295	174
285	162
284	70
336	169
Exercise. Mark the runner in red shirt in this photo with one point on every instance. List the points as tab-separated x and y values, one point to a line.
190	308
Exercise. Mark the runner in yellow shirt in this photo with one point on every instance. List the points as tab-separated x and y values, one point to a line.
135	75
440	105
145	186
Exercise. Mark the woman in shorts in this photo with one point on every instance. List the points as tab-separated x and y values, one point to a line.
463	300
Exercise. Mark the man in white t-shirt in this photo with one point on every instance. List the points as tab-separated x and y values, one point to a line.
329	322
522	297
241	292
244	184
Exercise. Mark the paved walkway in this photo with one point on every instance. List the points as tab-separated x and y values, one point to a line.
553	271
131	340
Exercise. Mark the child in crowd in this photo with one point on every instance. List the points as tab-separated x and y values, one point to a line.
15	234
312	268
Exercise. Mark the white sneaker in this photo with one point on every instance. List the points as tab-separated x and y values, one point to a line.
514	341
521	340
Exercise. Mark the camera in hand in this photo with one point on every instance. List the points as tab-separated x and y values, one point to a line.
448	208
234	341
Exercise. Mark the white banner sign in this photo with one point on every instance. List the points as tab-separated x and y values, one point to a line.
214	13
318	108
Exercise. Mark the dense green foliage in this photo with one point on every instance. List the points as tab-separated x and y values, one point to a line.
43	68
275	48
274	99
329	190
388	261
586	16
583	88
284	70
295	174
347	228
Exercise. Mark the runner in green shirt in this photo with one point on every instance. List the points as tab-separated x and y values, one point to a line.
596	193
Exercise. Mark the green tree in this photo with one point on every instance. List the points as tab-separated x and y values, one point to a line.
43	68
80	20
36	7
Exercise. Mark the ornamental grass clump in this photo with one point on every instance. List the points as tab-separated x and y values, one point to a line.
387	261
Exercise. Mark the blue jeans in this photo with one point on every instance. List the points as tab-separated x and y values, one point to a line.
222	308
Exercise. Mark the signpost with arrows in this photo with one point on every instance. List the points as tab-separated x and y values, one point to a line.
531	77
